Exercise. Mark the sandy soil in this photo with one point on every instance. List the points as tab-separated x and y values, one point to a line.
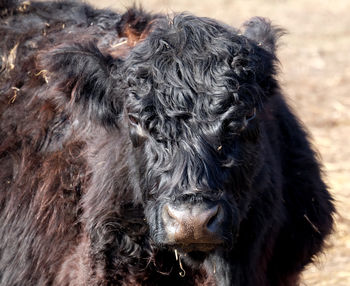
315	75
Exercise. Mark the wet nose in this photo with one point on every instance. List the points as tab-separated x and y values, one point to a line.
194	224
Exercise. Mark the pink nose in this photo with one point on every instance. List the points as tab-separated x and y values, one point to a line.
193	224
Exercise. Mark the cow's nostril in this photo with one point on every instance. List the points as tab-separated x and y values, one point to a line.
214	219
174	214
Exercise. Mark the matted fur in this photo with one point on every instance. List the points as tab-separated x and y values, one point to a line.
106	117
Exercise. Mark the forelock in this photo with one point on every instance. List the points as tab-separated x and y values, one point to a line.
189	69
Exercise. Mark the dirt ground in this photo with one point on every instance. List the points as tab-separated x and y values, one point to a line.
315	75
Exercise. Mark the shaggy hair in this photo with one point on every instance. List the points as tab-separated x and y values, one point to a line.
106	117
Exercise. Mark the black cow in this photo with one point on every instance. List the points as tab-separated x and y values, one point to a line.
143	149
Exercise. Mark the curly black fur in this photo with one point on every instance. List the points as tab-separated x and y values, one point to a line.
105	118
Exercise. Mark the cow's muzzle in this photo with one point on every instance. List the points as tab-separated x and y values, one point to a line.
195	227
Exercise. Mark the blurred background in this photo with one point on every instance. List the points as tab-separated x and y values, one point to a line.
315	77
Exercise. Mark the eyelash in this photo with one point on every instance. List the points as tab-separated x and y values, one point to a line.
231	125
250	116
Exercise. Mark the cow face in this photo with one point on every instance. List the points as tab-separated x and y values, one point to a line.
192	97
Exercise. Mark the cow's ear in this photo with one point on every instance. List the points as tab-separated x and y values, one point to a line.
80	77
262	63
261	31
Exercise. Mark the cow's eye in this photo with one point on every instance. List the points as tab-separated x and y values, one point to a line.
251	115
248	118
136	132
133	119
